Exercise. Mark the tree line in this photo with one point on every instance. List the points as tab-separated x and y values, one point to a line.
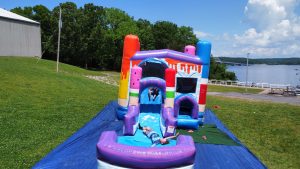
92	36
268	61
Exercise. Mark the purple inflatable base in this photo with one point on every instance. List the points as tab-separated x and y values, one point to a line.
108	150
105	165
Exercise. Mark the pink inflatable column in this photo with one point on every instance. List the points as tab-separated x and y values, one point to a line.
135	76
189	49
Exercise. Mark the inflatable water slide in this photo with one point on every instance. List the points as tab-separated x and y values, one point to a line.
163	90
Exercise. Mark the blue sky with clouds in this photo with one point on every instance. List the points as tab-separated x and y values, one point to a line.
264	28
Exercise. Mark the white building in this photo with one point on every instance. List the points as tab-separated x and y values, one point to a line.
19	36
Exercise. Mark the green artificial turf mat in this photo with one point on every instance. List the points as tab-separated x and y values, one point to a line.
213	135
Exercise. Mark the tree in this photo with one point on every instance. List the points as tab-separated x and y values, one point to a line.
26	11
185	36
164	33
120	24
219	72
70	33
43	15
92	23
145	34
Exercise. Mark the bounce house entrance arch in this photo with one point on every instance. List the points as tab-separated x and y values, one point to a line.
187	100
147	101
153	68
186	108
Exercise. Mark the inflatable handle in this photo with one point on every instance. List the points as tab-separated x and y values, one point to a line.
131	119
169	120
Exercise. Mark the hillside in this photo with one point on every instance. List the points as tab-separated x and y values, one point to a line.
268	61
41	108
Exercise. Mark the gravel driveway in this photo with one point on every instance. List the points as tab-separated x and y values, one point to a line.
294	100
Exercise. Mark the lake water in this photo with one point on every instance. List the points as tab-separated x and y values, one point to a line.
273	74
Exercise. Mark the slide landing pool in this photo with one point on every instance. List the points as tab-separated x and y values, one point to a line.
136	152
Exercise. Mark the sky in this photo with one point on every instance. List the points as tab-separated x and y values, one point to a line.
263	28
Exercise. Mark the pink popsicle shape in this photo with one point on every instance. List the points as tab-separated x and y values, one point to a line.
135	76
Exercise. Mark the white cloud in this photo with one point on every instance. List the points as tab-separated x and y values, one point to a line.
266	13
200	34
274	31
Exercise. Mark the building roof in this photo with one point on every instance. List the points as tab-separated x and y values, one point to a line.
166	53
9	15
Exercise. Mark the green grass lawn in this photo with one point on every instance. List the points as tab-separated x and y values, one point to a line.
40	108
217	88
270	130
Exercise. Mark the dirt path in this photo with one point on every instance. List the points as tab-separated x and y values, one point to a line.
105	79
294	100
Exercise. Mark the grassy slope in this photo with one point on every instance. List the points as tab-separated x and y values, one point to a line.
39	108
270	130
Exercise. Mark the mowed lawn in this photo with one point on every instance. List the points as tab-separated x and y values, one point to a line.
270	130
40	108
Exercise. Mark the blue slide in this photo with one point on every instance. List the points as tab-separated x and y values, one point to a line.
150	116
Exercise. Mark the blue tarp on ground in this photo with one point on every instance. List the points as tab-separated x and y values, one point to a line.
79	151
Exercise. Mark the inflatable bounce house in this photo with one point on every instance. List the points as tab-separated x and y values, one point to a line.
163	90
